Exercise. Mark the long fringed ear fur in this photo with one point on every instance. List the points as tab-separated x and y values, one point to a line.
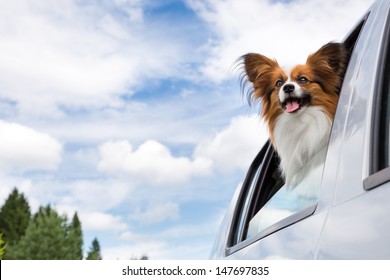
257	69
330	61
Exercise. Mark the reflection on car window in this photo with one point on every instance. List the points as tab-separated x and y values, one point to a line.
290	200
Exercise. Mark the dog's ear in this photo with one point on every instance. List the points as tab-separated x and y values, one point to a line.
259	70
256	65
329	64
332	55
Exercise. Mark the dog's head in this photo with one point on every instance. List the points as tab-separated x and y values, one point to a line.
316	83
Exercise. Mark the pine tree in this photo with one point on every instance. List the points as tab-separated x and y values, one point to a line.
14	217
45	238
2	246
75	239
94	251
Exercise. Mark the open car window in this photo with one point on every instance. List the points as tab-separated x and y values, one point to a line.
265	205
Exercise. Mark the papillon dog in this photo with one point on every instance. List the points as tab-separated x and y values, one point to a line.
298	106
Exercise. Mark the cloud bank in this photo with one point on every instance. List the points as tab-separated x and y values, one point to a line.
24	149
231	149
74	54
285	30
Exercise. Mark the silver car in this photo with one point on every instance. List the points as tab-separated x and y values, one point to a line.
341	210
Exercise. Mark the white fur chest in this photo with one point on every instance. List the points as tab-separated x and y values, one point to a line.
298	137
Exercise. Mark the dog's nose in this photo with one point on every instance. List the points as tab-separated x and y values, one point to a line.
288	88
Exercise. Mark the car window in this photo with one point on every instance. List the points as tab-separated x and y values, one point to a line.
379	172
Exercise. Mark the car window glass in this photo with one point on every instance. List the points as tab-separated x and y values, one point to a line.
290	200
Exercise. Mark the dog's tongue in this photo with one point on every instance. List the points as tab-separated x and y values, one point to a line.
292	106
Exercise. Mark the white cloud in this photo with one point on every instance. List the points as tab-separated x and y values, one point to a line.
232	148
157	213
99	221
151	162
285	31
7	183
235	146
130	236
78	54
133	9
184	241
107	194
22	148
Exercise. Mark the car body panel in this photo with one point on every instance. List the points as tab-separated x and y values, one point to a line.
359	228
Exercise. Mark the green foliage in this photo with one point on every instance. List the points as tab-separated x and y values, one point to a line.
14	217
94	251
75	239
49	237
2	246
45	238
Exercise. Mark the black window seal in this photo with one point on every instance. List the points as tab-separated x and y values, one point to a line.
352	38
257	163
378	177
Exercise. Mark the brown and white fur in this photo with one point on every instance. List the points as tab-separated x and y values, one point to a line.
298	106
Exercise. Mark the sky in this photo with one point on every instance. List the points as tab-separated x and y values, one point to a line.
131	113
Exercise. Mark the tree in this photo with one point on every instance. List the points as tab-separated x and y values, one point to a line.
75	239
94	251
45	238
2	246
14	217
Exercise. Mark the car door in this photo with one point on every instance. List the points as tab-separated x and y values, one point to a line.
358	223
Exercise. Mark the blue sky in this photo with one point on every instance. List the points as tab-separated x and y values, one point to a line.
130	111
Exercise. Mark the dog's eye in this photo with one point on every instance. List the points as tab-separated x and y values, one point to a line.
303	80
279	83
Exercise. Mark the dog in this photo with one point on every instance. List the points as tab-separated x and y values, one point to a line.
298	106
